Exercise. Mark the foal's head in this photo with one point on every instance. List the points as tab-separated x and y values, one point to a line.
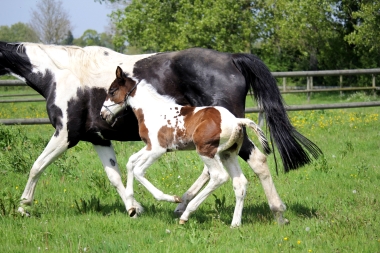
120	90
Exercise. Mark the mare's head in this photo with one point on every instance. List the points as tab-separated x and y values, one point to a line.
29	62
120	90
13	59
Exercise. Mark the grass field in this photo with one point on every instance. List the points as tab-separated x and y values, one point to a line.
333	204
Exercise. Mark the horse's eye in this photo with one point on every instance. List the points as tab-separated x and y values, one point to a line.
112	92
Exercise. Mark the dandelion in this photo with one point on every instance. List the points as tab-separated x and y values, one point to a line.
298	242
35	201
16	187
309	250
285	238
64	190
307	229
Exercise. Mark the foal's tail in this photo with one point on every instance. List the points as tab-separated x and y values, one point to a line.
290	143
260	134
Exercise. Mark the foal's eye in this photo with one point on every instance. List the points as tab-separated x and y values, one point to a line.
112	92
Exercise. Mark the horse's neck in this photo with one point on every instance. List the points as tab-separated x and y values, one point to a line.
150	101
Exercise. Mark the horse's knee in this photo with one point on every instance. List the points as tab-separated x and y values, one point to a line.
259	164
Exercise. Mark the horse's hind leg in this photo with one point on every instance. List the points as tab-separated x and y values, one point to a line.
56	146
192	191
108	158
239	183
258	162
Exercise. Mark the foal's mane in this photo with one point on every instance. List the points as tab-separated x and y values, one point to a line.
154	94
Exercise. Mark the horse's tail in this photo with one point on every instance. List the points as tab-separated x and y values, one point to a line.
290	143
260	134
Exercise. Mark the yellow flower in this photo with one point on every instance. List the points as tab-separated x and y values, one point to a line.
298	242
64	190
309	250
16	187
285	238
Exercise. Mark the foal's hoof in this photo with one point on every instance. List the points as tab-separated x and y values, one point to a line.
182	222
177	199
132	212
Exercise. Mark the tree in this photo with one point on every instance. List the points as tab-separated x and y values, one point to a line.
18	32
367	29
93	38
172	25
50	21
69	39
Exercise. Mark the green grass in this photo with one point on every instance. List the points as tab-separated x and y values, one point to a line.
333	203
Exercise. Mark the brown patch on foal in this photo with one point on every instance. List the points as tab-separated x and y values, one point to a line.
143	130
204	127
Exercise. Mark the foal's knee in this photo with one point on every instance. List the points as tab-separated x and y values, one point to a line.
240	186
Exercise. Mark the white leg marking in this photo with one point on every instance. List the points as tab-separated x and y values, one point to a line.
239	183
259	165
218	176
108	158
138	164
56	146
192	191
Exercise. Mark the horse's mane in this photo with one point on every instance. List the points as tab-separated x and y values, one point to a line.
88	64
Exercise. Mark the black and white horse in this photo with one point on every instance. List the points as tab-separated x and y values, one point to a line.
213	131
74	82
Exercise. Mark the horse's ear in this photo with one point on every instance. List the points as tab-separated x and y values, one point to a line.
119	73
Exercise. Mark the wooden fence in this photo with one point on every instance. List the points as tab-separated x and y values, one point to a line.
284	89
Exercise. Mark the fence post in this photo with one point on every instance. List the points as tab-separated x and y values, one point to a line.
284	84
374	83
341	84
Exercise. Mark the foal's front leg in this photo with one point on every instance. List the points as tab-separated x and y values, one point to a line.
137	166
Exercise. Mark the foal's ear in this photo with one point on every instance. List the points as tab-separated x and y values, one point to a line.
119	73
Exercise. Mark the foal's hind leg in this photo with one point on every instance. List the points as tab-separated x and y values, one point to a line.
239	183
108	158
259	165
56	146
218	176
192	191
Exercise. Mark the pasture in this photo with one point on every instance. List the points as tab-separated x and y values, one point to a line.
333	204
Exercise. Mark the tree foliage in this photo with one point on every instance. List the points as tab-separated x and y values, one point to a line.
50	21
18	32
367	29
164	25
93	38
288	35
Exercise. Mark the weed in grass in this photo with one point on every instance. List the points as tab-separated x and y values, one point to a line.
322	165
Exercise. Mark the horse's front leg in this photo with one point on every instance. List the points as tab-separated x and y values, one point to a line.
138	164
108	158
192	191
56	146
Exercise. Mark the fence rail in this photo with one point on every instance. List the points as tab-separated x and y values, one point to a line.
309	90
41	121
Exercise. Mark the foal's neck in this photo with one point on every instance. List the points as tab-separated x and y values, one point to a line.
148	99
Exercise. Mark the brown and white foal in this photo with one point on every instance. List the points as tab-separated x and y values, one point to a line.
213	132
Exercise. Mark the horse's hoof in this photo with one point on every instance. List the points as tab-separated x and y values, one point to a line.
182	222
23	212
132	212
177	199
